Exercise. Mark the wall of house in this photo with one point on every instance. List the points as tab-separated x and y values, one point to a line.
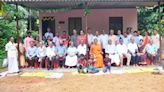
98	19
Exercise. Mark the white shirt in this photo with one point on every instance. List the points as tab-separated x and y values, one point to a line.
82	49
122	49
56	40
96	37
48	34
111	49
90	39
41	52
11	49
156	40
50	51
104	40
132	47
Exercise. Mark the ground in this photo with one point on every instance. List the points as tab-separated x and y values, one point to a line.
140	82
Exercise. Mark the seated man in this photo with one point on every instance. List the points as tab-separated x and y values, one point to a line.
41	54
123	52
82	48
51	55
133	49
61	53
151	50
113	53
31	54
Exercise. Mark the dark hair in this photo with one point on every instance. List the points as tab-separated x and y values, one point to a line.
106	53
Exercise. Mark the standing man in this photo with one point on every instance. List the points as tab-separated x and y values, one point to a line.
104	41
56	39
119	35
48	33
112	37
74	37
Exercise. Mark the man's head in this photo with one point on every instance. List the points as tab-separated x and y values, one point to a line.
50	43
155	32
132	39
119	32
12	39
74	32
106	55
97	33
103	31
151	41
82	42
135	33
48	29
31	43
121	41
125	33
111	32
81	32
95	41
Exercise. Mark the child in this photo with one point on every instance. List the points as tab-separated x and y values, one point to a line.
91	69
107	63
82	64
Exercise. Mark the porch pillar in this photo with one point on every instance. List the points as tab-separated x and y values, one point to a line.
40	27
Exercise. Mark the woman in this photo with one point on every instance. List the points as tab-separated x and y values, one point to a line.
141	53
96	51
71	58
22	57
82	36
12	56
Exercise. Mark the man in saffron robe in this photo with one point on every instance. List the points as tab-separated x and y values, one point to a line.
96	51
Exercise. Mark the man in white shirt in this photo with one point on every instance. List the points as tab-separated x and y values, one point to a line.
112	37
113	53
41	54
133	49
90	37
123	52
56	39
51	55
48	33
104	41
97	36
82	48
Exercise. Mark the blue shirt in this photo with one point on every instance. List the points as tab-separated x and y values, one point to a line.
71	51
31	51
152	49
61	50
136	39
126	40
118	38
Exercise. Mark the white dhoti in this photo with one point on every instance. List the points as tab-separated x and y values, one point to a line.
115	59
12	65
71	60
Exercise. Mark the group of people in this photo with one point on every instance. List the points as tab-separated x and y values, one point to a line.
85	50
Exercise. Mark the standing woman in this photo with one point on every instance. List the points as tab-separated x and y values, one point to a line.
12	56
82	36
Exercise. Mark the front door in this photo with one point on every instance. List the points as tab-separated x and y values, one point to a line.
48	22
116	23
74	23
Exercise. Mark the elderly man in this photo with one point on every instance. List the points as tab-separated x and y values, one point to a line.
152	50
104	41
61	53
48	33
123	52
125	38
74	37
31	54
97	36
113	53
133	49
82	48
112	37
119	35
51	55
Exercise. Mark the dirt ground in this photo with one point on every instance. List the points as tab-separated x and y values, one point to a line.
142	82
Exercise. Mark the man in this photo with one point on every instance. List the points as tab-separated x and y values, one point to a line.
136	37
31	54
61	53
151	50
125	38
119	35
156	39
97	36
123	52
48	33
74	37
90	37
82	48
27	40
51	55
133	49
56	39
111	49
104	41
112	37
